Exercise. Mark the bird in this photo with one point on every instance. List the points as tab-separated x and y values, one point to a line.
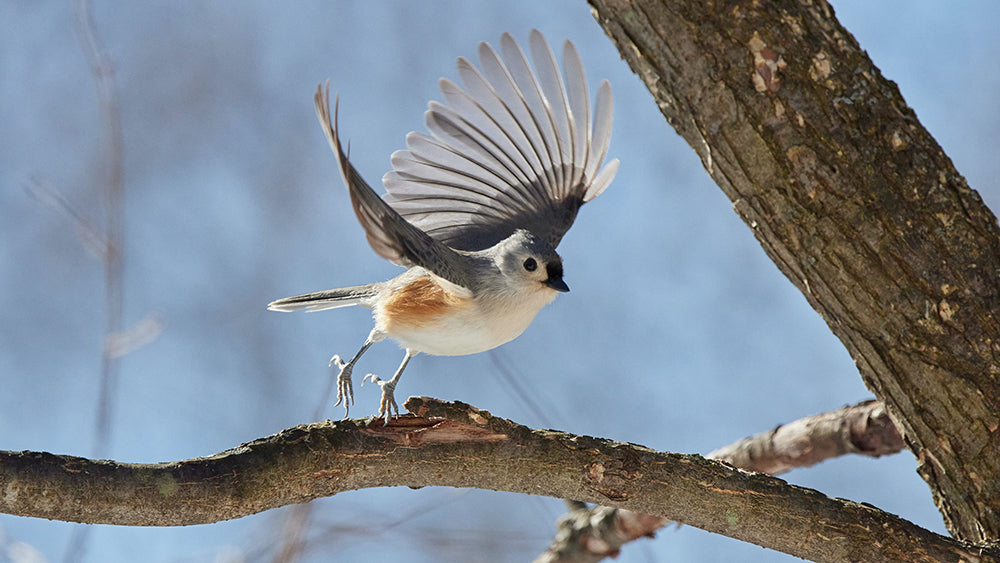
474	209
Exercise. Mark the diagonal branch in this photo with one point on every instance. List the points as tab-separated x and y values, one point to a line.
863	429
589	534
856	204
452	444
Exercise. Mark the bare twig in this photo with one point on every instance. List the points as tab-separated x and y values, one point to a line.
113	239
293	536
298	520
114	192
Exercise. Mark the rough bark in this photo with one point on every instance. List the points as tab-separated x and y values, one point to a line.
589	534
863	429
857	205
451	444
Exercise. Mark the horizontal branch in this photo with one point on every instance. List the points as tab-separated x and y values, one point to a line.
452	444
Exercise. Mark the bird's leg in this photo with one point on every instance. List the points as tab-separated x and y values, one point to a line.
388	403
345	388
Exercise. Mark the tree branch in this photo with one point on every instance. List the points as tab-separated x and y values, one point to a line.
864	429
589	534
856	204
452	444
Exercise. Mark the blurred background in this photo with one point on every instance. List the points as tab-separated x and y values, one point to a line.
231	199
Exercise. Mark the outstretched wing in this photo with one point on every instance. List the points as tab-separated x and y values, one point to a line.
511	150
390	235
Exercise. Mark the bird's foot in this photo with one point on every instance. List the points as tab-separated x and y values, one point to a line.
387	405
345	388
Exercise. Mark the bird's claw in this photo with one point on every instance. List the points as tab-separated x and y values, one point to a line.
345	388
387	406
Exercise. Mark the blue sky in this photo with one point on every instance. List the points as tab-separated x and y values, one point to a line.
679	333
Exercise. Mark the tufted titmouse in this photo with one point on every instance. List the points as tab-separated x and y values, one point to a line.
476	209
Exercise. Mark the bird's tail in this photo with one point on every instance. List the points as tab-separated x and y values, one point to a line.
329	299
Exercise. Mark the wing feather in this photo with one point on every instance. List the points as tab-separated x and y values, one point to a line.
601	138
451	129
389	234
525	81
512	148
493	107
426	149
507	90
554	99
578	99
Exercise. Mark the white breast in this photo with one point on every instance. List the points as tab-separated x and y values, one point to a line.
472	326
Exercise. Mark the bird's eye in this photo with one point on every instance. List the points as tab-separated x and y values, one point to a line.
530	264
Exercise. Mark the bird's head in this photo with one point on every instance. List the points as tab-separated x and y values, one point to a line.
530	263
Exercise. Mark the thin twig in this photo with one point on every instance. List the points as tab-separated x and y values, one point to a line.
114	240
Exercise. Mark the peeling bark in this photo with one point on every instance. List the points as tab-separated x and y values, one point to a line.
452	444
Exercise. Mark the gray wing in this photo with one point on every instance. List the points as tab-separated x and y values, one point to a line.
510	150
391	236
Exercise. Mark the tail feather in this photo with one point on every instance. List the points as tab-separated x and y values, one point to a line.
328	299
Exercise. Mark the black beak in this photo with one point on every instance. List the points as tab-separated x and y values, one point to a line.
555	281
557	284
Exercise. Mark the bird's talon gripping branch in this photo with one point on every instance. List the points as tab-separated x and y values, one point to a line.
387	407
336	360
345	388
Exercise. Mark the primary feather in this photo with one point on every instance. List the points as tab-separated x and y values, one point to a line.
391	236
511	149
